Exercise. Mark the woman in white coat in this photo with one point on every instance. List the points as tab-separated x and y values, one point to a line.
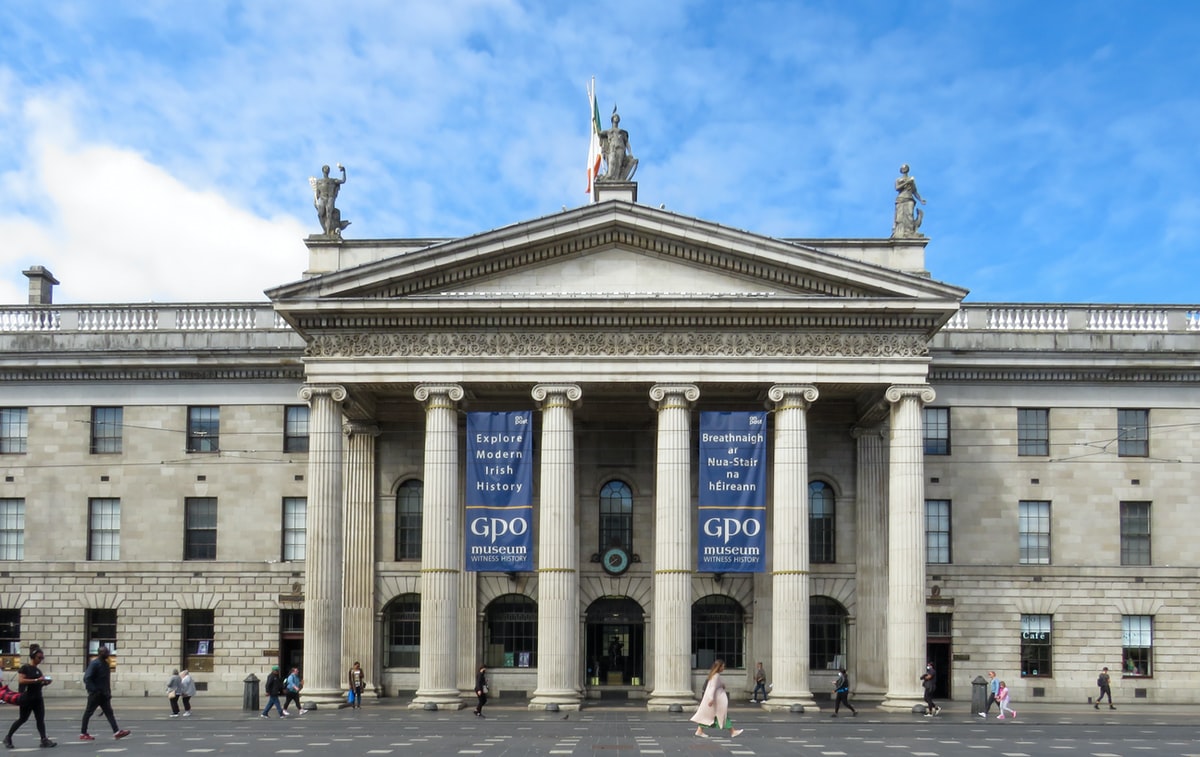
713	711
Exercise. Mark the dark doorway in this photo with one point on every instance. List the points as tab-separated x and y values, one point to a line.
291	640
615	643
938	651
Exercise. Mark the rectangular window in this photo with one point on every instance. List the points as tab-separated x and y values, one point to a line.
937	531
107	425
101	631
14	430
937	430
1133	433
12	529
1033	431
104	529
295	428
200	528
295	510
10	632
1037	646
198	640
1135	533
204	429
1137	645
1034	532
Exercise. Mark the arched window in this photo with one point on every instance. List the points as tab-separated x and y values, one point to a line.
718	631
616	517
402	632
510	632
826	634
820	523
410	498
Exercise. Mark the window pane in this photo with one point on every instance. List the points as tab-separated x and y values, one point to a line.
1137	645
200	528
295	511
937	531
10	632
1133	433
510	632
402	627
204	429
409	509
1034	532
616	517
295	428
821	522
1135	533
1036	645
12	529
14	430
826	634
718	631
198	631
1033	432
107	427
937	430
104	529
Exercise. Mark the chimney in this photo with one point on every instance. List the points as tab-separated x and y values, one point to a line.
41	285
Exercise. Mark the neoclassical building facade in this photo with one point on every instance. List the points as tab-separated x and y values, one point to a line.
225	486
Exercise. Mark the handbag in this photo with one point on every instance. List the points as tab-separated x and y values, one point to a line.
171	695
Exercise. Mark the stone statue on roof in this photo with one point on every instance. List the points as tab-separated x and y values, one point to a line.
908	215
325	192
620	164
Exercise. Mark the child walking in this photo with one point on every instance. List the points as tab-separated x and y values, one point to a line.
1003	697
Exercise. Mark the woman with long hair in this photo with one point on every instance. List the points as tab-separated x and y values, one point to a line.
713	711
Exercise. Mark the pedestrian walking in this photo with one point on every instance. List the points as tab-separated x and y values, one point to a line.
841	690
993	693
1105	689
30	682
760	684
291	691
274	688
173	689
928	683
481	691
97	681
1003	696
187	690
358	684
713	710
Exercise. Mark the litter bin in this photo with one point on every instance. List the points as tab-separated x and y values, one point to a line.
250	693
979	694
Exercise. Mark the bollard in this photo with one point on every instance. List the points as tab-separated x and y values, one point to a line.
979	694
250	693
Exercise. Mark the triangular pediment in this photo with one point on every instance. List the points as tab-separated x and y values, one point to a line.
610	248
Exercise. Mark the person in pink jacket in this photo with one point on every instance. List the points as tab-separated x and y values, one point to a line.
713	711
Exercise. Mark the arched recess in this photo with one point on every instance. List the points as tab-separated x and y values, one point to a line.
402	632
718	632
510	632
828	634
615	642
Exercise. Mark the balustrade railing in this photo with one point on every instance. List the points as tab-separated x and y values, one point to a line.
133	318
1075	318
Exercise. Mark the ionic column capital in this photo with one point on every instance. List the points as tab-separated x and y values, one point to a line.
431	394
663	396
335	392
922	392
561	395
792	396
352	428
879	430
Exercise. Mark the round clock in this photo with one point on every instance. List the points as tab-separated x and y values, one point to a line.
615	561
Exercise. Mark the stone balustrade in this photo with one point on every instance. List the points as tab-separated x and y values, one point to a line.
133	318
1076	318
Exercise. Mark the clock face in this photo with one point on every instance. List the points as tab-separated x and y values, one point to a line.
615	561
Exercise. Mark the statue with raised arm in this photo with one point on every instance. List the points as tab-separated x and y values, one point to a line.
620	164
325	192
908	215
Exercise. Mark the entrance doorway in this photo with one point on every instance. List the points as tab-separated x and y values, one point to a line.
937	649
291	640
615	643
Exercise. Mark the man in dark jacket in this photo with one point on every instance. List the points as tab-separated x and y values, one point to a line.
274	687
929	683
99	689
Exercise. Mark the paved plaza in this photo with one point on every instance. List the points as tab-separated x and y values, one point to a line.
221	727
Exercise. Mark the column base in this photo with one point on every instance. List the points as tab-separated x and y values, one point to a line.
441	700
781	701
323	697
670	701
903	704
566	701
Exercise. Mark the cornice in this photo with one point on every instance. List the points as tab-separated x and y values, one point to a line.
135	373
1064	375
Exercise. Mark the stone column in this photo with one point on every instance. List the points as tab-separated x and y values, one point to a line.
906	547
673	548
323	545
870	572
558	684
789	549
441	550
358	550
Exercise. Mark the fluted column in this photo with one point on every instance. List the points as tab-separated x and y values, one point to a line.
673	552
441	550
323	545
358	550
906	547
870	573
558	554
789	549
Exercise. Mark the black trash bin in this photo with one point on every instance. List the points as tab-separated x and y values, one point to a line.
250	693
979	694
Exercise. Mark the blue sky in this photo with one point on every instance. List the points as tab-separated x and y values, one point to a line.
161	149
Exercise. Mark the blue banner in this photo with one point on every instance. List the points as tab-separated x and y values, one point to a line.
500	491
733	493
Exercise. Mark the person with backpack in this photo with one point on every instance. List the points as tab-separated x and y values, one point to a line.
274	688
291	691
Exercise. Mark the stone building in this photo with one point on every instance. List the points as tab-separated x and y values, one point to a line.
224	486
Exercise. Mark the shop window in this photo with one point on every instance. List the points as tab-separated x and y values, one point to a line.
198	626
1037	645
1137	645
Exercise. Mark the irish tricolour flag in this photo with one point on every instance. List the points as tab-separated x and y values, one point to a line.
593	164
